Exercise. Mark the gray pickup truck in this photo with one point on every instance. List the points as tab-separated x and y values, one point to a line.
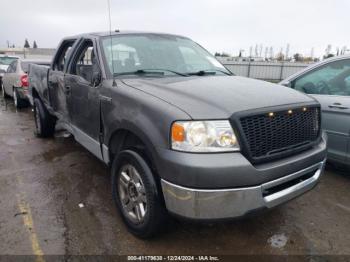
181	134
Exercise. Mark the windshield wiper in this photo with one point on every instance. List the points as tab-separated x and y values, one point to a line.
139	72
149	71
208	72
167	70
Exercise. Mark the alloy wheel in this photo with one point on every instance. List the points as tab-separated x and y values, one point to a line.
132	194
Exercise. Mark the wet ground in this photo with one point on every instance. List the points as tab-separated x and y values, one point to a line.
55	199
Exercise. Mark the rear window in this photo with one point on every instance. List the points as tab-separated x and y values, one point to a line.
5	60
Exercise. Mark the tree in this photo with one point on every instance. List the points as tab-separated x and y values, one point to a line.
35	45
298	57
280	56
26	44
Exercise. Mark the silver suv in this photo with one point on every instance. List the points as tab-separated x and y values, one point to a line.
329	82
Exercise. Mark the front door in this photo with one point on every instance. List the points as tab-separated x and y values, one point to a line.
83	102
330	85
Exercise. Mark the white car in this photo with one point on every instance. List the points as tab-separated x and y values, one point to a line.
5	61
15	81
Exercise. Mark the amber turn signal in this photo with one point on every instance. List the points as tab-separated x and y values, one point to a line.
177	133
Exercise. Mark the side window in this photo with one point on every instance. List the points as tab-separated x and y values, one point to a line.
330	79
62	55
347	82
9	69
12	67
84	61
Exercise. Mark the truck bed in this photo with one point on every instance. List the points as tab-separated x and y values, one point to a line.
38	79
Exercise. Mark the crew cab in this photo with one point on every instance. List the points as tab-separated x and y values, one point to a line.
182	135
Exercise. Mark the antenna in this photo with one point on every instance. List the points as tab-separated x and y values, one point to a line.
110	36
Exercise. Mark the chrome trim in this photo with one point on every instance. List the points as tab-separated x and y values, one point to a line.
88	142
230	203
105	154
292	176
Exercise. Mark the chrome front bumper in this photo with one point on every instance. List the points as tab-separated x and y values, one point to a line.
230	203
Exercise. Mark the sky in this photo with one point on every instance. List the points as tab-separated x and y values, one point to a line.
219	26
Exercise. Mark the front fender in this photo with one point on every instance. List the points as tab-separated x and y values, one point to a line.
144	115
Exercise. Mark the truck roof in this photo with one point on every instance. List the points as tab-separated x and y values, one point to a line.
120	32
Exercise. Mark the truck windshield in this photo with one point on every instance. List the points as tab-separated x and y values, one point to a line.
143	54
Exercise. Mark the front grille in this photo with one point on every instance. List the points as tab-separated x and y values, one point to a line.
268	136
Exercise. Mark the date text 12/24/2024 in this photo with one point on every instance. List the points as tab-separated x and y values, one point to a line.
173	258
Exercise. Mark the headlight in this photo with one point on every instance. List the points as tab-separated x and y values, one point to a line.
203	136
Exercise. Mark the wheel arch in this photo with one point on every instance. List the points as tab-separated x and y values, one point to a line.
128	136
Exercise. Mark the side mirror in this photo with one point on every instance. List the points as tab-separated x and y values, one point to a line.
287	84
96	78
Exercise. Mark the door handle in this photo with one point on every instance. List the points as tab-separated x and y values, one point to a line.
67	90
338	106
105	98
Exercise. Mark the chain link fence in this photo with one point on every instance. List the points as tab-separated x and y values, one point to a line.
268	71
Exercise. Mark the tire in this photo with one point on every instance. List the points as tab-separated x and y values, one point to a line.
4	95
142	188
17	100
44	121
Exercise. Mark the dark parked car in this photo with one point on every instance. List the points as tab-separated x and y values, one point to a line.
329	82
181	134
15	81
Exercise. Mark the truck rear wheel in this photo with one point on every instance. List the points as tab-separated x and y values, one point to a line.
44	121
136	195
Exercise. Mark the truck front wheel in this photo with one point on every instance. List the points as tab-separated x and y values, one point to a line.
44	121
136	195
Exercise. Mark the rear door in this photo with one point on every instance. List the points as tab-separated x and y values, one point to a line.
10	77
57	88
330	85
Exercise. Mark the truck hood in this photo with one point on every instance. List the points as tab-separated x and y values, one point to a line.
215	97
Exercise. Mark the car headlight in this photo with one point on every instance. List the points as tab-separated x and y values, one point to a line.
203	136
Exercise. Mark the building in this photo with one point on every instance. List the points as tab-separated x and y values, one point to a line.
31	53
